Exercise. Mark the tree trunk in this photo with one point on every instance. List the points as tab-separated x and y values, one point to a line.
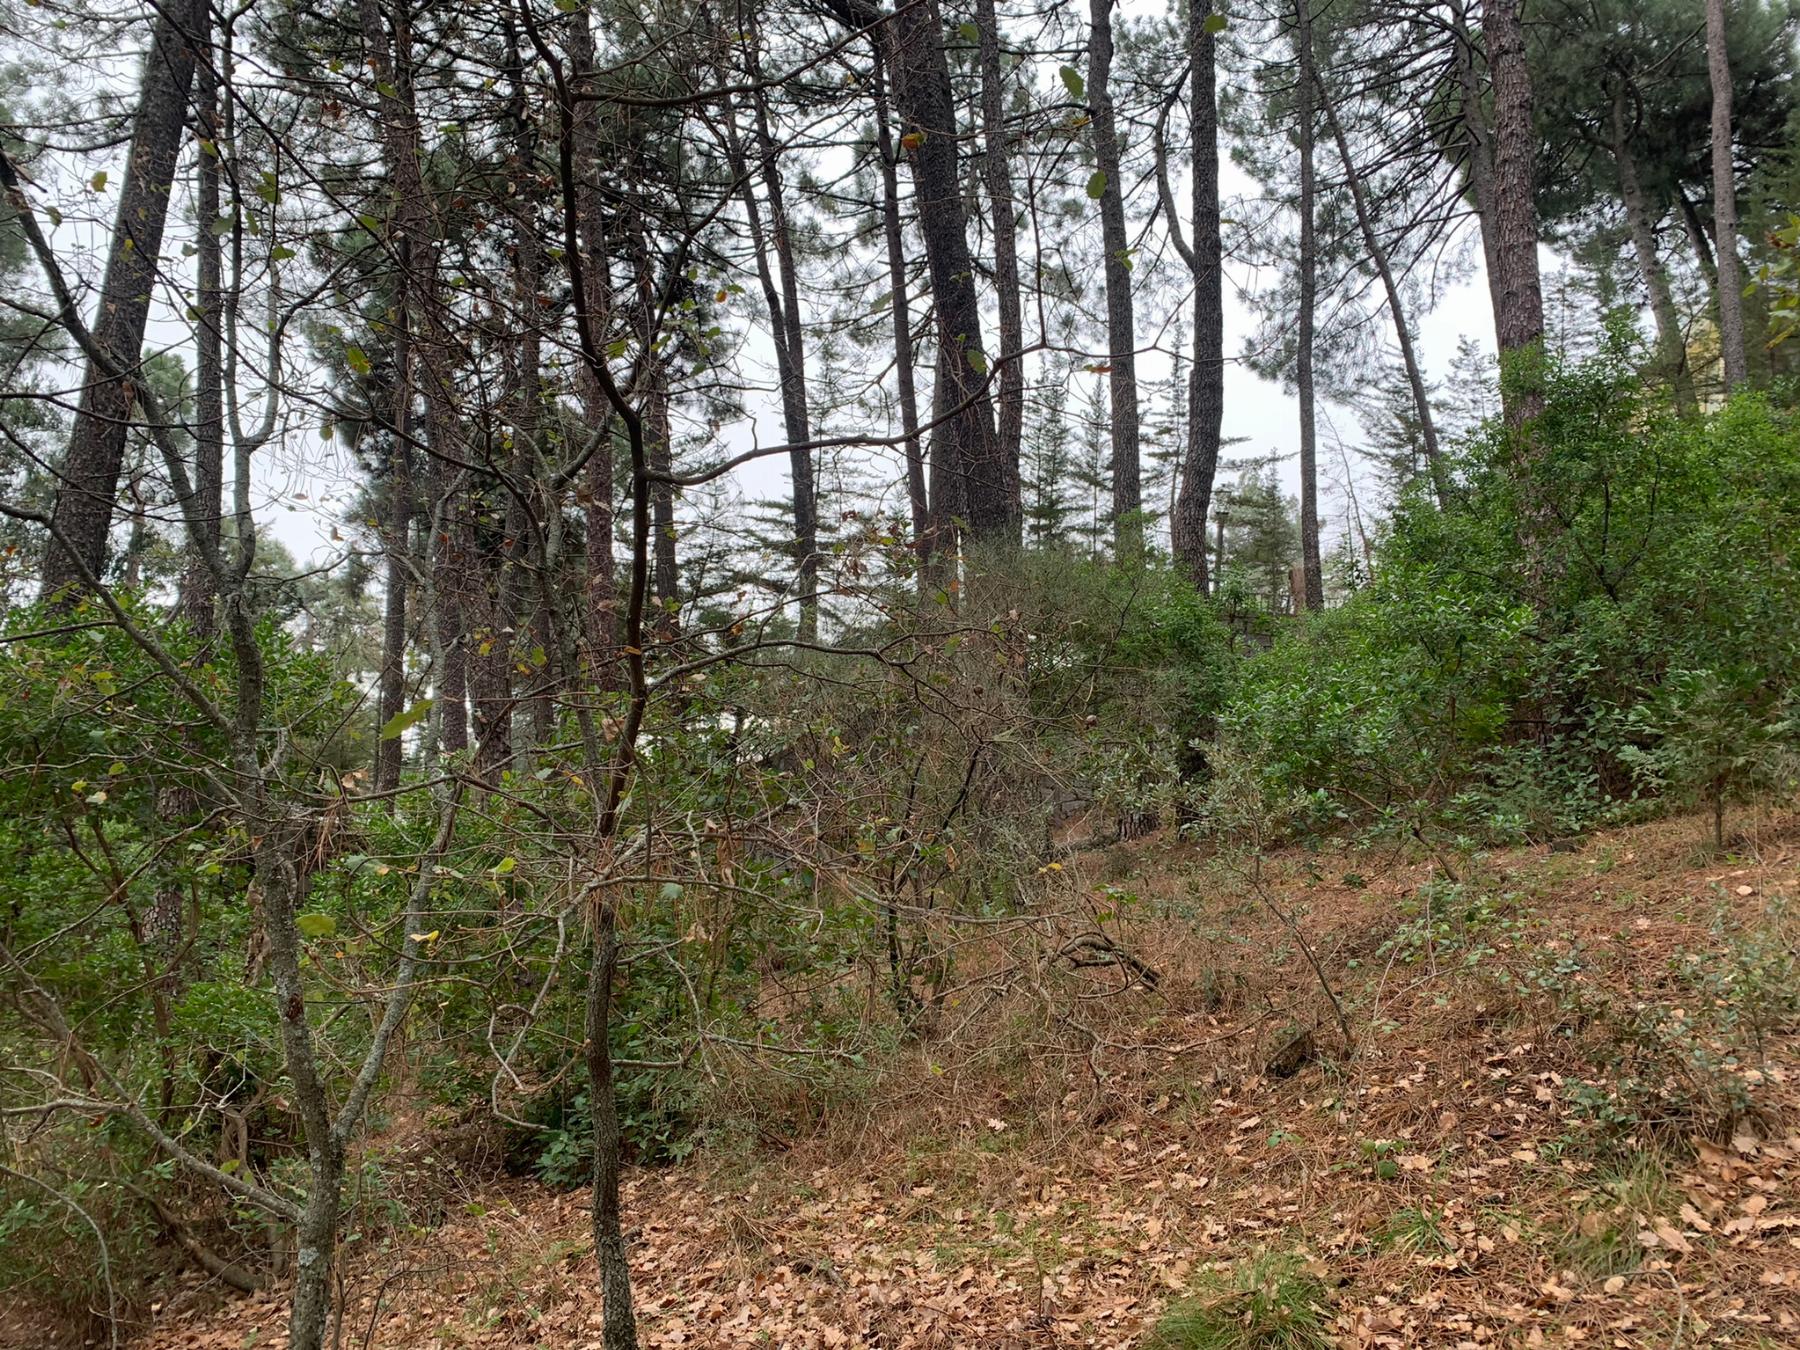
783	301
1513	283
948	511
391	63
916	495
197	602
448	551
1671	345
309	1309
666	579
1121	329
988	482
1478	142
1206	382
1415	378
997	175
619	1331
1730	288
596	496
1702	246
90	473
199	592
1312	566
391	683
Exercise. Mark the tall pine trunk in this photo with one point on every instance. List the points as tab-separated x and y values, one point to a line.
1512	218
986	480
997	175
199	590
1121	329
1670	345
83	511
596	495
1206	381
1730	288
916	495
1311	564
781	293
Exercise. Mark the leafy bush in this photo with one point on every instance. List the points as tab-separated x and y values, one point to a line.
1613	621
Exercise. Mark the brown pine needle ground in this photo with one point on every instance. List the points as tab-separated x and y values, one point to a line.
1570	1119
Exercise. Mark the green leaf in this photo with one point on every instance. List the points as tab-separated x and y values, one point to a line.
359	362
98	181
978	361
504	866
269	189
1214	24
397	725
671	890
1096	187
55	216
1073	82
970	33
222	226
280	253
386	90
316	925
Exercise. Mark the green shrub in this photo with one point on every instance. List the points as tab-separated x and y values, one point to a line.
1615	623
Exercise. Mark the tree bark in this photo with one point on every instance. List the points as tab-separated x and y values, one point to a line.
390	60
916	495
1513	281
1478	143
199	592
1206	381
1730	288
1311	563
666	581
988	482
447	553
397	534
1121	328
1415	378
997	175
619	1330
602	618
90	472
1671	345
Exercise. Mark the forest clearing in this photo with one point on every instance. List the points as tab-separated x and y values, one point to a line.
899	673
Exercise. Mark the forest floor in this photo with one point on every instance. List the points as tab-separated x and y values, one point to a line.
1572	1117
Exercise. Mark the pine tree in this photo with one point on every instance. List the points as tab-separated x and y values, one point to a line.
1047	466
1092	474
1262	535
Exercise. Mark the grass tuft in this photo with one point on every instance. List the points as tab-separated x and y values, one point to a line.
1271	1303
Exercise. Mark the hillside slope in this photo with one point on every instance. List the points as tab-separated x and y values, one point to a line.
1568	1118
